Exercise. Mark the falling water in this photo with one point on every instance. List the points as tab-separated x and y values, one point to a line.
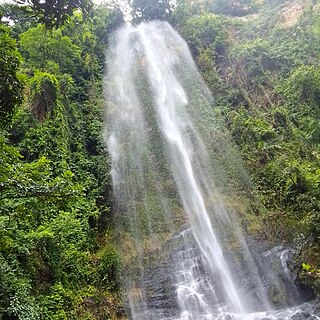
166	162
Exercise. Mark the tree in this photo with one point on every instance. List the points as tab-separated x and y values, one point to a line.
10	82
146	10
19	17
54	13
43	50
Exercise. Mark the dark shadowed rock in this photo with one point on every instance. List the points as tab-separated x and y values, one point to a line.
303	316
317	307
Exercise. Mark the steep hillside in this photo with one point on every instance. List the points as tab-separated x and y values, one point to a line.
263	70
56	259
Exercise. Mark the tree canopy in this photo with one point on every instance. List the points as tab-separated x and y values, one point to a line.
54	13
147	10
11	83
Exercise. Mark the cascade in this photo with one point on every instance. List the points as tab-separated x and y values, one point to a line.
184	253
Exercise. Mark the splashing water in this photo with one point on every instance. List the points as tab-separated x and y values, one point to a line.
176	231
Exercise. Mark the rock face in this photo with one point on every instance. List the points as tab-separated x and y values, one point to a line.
303	315
317	307
276	265
164	284
161	290
291	13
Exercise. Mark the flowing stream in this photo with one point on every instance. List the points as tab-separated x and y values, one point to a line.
184	253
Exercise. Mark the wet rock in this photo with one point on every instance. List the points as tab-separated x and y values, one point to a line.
277	281
303	316
317	307
120	312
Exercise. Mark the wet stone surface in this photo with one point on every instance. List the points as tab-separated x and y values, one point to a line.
161	282
303	316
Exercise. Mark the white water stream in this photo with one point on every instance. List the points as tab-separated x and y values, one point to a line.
158	109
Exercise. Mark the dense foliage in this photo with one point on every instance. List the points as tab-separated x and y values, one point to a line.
54	13
11	82
56	261
260	60
262	67
145	10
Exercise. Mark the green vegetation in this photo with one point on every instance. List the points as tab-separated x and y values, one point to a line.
260	60
11	81
145	10
262	67
56	261
54	13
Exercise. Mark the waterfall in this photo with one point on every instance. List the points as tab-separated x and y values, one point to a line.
177	233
